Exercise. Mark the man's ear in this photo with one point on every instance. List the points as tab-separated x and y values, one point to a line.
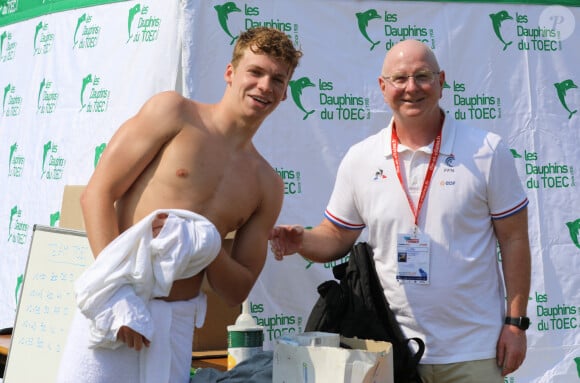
441	82
382	84
229	73
285	95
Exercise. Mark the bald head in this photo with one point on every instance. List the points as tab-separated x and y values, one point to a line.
408	53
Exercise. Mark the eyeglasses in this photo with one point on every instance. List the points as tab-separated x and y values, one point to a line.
422	78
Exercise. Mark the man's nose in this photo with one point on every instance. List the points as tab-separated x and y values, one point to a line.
411	83
265	83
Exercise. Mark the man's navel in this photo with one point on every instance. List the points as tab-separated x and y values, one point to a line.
182	172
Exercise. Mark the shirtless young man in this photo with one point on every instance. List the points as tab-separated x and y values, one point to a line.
176	153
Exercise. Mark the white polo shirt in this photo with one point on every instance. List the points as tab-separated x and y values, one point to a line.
459	314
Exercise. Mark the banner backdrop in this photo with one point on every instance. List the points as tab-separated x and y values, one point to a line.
67	81
510	68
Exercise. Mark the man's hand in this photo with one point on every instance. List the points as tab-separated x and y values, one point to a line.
511	349
158	223
286	240
132	338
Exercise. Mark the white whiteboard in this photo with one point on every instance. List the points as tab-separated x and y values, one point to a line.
46	307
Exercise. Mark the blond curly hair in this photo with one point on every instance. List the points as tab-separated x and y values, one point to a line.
269	41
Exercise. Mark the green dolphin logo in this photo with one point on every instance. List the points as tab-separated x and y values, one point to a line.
39	26
296	87
99	152
12	151
223	12
496	20
42	85
79	23
133	11
2	38
574	229
363	19
19	282
86	81
561	89
14	211
515	153
47	148
54	217
7	89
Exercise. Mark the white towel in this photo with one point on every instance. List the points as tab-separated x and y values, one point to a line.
135	268
167	360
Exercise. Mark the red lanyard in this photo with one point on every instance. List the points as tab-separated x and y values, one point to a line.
428	175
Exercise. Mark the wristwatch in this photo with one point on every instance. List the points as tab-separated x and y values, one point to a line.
520	322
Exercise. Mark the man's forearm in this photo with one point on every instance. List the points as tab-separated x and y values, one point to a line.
230	279
517	269
326	242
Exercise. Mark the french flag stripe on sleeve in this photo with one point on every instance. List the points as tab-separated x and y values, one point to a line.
339	222
511	211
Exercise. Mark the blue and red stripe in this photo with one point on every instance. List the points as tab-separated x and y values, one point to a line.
511	211
342	223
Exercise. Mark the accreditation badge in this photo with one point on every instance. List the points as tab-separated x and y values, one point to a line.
413	258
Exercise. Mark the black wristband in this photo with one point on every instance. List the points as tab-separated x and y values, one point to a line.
520	322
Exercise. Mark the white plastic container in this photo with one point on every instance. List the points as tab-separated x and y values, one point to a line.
245	339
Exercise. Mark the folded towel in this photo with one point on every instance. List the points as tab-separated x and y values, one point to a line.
135	268
167	360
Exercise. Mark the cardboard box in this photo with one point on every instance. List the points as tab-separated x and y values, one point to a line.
365	362
71	215
212	338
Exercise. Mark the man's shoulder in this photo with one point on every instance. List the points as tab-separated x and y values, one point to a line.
469	132
370	143
469	129
169	100
271	175
170	108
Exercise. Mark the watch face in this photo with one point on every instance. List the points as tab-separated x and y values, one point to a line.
524	323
